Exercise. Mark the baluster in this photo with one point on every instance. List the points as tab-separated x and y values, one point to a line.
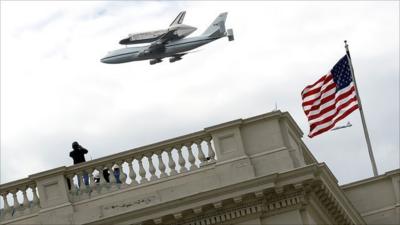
142	172
152	169
81	181
26	201
16	204
122	175
191	158
132	173
211	153
92	184
200	155
71	180
102	181
161	165
171	162
35	199
112	176
181	160
111	184
6	206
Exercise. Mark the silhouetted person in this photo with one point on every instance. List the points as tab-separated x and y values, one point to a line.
78	155
117	173
106	175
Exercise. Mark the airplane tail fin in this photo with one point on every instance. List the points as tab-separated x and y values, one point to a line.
217	28
179	18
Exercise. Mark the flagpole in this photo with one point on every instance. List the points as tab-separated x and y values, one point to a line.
371	154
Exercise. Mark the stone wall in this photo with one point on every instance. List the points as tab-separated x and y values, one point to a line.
377	198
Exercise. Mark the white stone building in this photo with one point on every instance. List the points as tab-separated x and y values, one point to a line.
247	171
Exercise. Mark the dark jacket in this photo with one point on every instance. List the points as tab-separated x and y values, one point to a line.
78	154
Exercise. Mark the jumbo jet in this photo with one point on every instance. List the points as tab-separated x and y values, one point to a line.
172	44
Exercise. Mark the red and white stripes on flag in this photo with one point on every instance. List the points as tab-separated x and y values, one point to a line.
330	99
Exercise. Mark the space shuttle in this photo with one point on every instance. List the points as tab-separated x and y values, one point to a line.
180	31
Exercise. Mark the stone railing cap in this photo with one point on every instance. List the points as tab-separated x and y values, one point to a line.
58	170
15	184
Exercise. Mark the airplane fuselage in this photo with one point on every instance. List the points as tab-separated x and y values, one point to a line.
170	49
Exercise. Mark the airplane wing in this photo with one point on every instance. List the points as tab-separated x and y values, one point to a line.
159	43
179	18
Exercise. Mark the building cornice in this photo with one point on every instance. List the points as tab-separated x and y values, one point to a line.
341	200
266	195
388	174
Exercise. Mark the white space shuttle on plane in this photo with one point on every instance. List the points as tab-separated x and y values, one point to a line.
181	31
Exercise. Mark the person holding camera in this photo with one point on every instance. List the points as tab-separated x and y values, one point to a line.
78	155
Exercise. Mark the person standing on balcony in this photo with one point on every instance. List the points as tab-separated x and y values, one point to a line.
78	155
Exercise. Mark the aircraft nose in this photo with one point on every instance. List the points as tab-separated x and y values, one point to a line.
105	60
124	41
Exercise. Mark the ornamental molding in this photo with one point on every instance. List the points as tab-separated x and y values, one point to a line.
326	198
239	207
267	202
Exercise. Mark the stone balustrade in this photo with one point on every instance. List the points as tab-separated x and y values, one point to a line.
122	170
139	166
19	198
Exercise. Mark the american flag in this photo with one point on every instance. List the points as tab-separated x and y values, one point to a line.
330	99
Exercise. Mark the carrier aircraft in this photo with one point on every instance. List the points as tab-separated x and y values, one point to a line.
171	43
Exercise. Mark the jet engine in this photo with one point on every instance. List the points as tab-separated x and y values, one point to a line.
154	61
174	59
229	33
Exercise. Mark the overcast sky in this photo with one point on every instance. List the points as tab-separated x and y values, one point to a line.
54	90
